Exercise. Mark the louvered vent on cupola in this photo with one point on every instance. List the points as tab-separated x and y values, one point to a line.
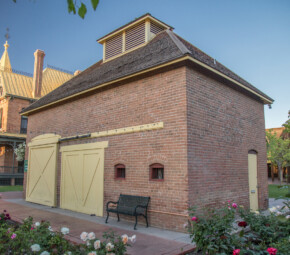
131	36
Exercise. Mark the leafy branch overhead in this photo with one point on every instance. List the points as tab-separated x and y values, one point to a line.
76	6
82	9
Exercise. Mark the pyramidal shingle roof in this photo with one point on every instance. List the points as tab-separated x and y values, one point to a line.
163	48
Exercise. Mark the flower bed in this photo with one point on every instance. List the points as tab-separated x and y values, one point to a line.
39	238
233	230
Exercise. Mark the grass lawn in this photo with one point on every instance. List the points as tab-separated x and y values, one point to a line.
275	191
11	188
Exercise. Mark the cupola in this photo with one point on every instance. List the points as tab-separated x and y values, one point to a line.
131	36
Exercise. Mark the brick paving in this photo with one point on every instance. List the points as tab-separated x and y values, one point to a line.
146	244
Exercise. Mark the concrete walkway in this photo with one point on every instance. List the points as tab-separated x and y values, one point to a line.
150	241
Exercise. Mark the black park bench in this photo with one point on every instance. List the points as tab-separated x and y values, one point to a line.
129	205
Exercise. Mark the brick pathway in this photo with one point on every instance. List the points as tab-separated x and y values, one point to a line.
146	244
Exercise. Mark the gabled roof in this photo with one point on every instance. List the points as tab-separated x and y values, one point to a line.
21	85
132	23
164	49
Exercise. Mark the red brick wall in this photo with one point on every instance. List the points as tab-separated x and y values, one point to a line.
223	125
161	97
4	105
13	116
208	130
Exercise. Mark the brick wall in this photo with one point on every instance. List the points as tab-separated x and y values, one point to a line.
161	97
223	125
13	116
208	130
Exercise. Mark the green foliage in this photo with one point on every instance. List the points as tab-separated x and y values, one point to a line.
214	231
73	5
82	11
38	238
278	150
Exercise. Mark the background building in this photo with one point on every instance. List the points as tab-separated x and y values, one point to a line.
17	91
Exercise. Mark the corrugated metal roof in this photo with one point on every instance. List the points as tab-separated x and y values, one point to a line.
21	85
16	84
52	78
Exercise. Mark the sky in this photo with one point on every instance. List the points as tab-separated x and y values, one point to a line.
252	38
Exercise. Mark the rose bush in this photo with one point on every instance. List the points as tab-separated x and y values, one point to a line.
217	231
38	238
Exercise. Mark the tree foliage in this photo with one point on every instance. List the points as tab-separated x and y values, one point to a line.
77	6
278	148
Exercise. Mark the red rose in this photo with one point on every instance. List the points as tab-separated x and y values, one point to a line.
243	224
272	251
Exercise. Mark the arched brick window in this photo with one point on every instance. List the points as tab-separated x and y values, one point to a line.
120	171
157	172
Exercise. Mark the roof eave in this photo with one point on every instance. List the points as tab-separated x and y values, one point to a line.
264	99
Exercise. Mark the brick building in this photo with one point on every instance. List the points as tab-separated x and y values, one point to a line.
155	117
17	91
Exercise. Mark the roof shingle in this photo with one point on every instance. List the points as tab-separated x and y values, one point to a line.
164	47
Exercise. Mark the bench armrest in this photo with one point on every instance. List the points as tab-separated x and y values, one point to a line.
111	202
141	206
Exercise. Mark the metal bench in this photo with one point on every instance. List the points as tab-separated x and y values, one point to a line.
129	205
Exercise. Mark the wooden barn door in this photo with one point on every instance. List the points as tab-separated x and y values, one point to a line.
253	180
82	178
41	175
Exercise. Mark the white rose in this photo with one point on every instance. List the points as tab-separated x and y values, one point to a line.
37	224
91	236
92	253
50	228
35	247
45	253
84	236
124	239
64	230
287	217
133	238
109	247
97	244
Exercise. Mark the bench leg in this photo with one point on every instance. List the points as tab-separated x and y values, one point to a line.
107	217
118	216
136	222
146	221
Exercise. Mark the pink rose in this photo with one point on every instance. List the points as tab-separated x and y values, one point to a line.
229	201
272	251
13	236
194	218
236	252
234	205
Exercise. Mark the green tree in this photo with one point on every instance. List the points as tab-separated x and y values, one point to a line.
278	151
77	6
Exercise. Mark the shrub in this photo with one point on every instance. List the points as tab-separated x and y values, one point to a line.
214	231
38	238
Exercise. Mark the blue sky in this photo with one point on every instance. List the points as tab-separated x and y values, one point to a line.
252	38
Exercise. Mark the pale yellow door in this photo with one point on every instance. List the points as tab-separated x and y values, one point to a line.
253	191
82	178
41	174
